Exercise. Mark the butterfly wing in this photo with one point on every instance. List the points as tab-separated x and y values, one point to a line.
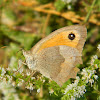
58	63
56	55
68	69
48	61
51	40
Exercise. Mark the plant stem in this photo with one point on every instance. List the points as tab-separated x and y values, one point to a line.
88	14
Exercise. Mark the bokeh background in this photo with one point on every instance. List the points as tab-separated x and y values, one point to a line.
24	22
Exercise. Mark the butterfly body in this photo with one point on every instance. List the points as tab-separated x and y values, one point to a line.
57	55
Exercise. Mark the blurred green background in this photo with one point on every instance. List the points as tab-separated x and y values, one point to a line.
24	22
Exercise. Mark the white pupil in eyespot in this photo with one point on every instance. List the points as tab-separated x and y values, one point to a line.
71	35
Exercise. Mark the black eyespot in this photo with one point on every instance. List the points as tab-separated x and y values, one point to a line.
71	36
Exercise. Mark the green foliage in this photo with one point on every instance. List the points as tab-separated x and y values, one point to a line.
25	40
59	4
10	14
44	1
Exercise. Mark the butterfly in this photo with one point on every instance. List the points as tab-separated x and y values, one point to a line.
56	55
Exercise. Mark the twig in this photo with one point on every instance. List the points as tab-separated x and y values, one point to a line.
45	25
4	47
70	15
27	3
41	92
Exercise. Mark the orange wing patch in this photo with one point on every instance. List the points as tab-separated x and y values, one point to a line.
61	39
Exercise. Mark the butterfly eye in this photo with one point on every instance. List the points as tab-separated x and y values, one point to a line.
71	36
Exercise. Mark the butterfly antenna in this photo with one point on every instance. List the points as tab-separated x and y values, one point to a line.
23	63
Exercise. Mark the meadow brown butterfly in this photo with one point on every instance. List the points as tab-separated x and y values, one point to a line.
57	55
